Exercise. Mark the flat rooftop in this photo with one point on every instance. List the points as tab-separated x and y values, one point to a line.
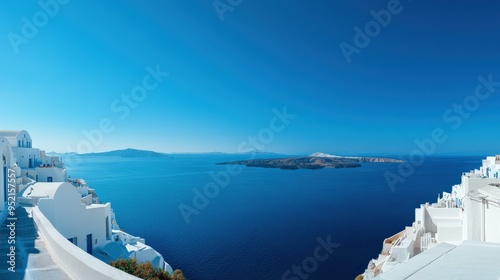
469	260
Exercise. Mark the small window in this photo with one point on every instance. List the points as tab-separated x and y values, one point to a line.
49	179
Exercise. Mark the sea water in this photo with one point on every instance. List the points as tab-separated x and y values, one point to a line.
266	223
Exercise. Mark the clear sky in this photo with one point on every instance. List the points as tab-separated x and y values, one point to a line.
64	68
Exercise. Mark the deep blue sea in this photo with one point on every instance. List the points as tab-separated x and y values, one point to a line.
266	220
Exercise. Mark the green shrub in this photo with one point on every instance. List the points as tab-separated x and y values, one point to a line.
145	270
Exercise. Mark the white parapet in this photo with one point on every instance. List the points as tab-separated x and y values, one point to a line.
77	263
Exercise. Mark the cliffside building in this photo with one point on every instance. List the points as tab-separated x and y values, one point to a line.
467	219
72	208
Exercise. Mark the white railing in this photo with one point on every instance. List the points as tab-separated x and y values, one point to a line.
426	240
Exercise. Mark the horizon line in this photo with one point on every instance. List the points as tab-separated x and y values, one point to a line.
282	153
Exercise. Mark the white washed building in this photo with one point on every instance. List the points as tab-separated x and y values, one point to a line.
75	211
86	226
469	213
7	161
70	207
28	163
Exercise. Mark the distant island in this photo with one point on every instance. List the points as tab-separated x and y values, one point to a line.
129	153
313	161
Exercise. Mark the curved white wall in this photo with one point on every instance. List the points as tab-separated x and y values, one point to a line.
77	263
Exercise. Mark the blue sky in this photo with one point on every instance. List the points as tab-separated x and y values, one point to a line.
226	76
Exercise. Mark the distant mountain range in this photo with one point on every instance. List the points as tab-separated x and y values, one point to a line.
129	153
144	153
126	153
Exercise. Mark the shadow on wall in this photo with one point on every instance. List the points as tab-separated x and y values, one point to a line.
21	235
